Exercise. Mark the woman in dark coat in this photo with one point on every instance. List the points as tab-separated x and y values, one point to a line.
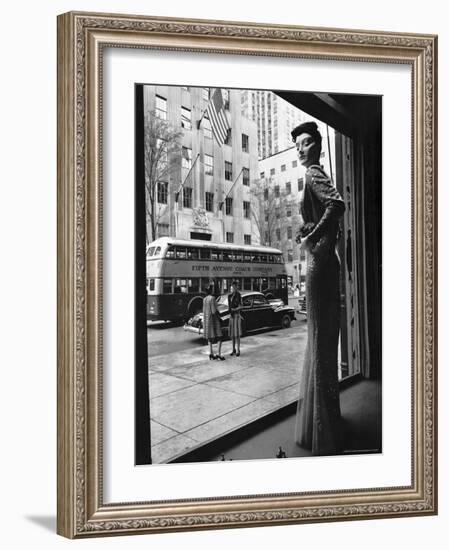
318	419
211	324
235	319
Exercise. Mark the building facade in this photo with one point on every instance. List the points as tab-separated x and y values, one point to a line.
275	119
281	183
206	193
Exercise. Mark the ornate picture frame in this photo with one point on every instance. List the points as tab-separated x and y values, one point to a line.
82	510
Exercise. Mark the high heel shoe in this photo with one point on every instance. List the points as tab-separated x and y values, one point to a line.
237	354
212	356
220	357
233	352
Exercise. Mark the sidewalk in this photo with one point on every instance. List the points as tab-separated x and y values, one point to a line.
194	400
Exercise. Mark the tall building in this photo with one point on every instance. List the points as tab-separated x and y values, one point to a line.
281	183
275	119
206	192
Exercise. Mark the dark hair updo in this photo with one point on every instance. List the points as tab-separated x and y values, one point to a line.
310	128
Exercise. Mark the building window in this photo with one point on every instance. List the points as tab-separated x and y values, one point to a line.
272	172
207	128
186	158
228	170
162	230
288	211
289	232
187	197
162	192
300	184
161	107
245	175
267	237
265	194
186	118
209	201
228	206
262	175
302	255
229	237
283	168
246	209
290	255
278	213
294	163
247	239
278	234
228	140
245	143
267	216
209	165
206	94
288	188
276	191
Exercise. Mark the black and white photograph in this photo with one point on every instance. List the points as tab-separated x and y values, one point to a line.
258	274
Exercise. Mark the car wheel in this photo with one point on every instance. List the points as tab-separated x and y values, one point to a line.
286	321
243	327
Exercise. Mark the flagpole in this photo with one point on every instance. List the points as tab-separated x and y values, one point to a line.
232	186
185	179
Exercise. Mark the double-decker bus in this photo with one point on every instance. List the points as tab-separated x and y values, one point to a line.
179	272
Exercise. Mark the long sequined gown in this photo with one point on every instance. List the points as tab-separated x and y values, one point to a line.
318	418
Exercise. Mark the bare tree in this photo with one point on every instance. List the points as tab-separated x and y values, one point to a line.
162	143
269	206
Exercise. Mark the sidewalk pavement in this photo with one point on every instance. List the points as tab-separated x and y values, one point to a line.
194	400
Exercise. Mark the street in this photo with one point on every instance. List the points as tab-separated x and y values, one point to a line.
194	400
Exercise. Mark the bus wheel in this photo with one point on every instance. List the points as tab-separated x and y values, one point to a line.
195	306
286	321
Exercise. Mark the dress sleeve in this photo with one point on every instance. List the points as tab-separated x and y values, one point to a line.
331	200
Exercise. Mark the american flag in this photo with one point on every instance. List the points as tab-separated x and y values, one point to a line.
217	116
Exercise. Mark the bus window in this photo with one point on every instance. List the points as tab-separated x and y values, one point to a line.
205	283
256	258
278	258
263	258
181	253
180	286
283	282
151	284
150	251
246	257
215	255
227	256
247	283
194	286
272	282
270	258
263	283
256	283
157	251
167	286
170	252
237	256
278	283
205	253
192	254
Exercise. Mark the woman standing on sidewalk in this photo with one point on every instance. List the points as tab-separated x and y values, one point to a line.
235	319
318	418
211	324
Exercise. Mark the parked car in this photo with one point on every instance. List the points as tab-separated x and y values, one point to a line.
257	312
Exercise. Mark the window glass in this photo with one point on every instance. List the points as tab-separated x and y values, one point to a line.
259	300
192	253
247	283
150	251
194	285
167	286
181	286
181	253
247	301
205	253
170	253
